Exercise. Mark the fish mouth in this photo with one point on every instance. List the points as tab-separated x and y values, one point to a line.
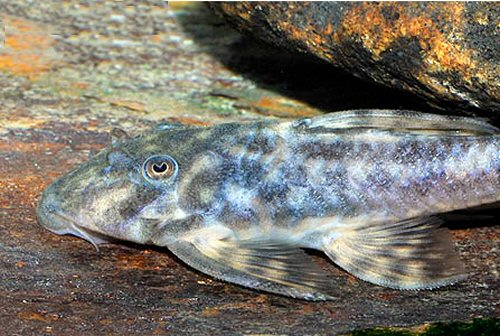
76	230
53	219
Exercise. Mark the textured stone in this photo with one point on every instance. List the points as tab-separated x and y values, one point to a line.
446	52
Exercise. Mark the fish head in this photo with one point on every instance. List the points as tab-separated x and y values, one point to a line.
125	192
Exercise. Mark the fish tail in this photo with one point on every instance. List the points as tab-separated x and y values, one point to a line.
411	254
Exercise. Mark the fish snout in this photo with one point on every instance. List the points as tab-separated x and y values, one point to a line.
47	210
51	216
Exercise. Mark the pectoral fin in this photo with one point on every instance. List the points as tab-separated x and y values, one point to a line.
399	120
266	265
412	254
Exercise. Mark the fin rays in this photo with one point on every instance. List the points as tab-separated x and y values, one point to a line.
400	120
272	266
412	254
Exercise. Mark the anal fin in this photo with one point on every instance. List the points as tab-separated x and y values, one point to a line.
270	266
411	254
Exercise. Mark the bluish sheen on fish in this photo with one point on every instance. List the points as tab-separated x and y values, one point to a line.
240	201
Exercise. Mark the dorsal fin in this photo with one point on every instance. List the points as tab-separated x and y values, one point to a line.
400	121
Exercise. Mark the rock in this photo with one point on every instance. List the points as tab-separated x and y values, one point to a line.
446	52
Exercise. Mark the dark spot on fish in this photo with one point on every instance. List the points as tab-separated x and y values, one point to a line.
219	135
261	143
203	190
135	202
179	227
249	173
295	175
333	151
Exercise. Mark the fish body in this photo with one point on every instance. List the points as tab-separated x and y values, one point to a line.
239	201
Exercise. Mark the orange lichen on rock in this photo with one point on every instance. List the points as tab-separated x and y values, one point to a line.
442	51
43	316
129	104
280	107
28	48
190	121
33	316
211	312
244	15
141	262
378	33
24	190
30	147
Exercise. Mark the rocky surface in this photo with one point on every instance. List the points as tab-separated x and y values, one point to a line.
69	72
448	53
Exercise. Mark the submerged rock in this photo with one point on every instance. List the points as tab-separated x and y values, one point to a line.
446	52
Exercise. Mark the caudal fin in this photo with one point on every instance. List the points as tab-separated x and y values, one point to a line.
412	254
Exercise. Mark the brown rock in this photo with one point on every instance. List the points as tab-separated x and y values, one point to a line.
448	52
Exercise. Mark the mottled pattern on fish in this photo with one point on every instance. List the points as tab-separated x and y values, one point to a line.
278	178
360	186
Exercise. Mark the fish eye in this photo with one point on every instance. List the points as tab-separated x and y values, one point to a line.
159	167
